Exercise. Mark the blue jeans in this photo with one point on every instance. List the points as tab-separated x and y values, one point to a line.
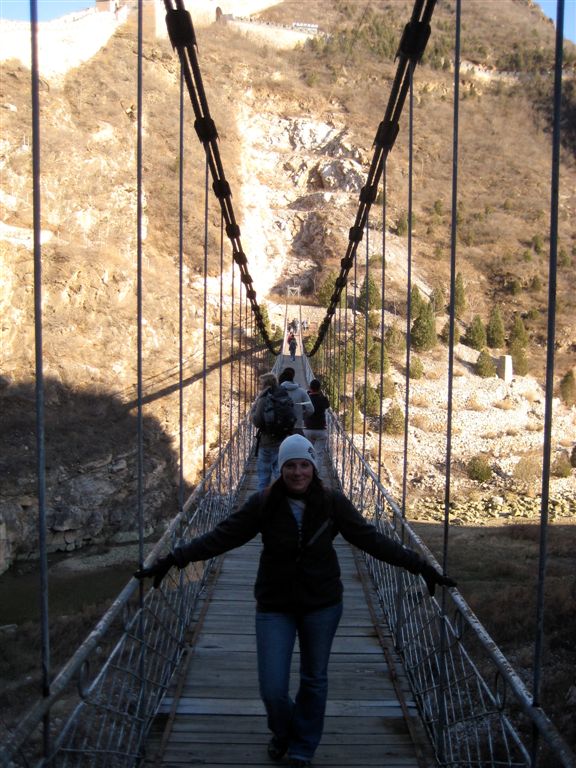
299	721
267	465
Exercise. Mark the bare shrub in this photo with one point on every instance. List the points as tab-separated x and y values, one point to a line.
419	401
473	404
528	471
505	405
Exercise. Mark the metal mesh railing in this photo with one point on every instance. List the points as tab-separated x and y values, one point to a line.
475	708
102	702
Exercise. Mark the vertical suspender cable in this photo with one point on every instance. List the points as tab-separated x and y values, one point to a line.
366	332
205	318
551	337
452	303
39	365
382	316
408	287
231	412
442	739
345	377
139	210
139	366
220	352
181	299
354	329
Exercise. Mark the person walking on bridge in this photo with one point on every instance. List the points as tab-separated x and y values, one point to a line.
315	425
302	403
298	588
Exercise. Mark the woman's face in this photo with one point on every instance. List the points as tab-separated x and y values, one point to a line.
297	475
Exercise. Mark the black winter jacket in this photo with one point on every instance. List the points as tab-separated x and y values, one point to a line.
293	575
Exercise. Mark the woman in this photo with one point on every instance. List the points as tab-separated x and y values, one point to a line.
298	588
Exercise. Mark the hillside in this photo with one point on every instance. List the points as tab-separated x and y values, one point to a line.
296	138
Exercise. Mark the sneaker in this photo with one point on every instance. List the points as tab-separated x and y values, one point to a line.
277	748
299	762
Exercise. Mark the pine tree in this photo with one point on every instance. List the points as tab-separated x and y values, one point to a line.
475	336
416	301
438	299
416	368
369	297
519	359
518	334
485	365
393	420
568	388
394	339
495	334
445	333
423	332
324	293
459	296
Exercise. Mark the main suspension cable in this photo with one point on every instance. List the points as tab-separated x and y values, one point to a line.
183	39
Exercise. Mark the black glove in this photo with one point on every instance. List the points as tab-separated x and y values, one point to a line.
157	570
432	577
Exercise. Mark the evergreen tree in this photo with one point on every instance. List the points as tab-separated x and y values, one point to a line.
416	368
485	365
416	301
324	293
423	331
367	399
519	359
393	420
369	297
518	334
459	296
568	388
495	334
375	357
438	299
394	339
475	336
445	333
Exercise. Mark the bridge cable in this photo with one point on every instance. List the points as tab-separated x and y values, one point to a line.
221	351
551	337
181	298
140	350
183	39
366	332
39	372
382	317
411	48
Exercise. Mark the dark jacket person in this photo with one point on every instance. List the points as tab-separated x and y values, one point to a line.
298	588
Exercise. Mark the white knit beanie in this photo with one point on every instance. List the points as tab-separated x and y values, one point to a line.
296	447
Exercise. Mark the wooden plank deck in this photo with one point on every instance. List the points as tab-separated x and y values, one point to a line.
213	716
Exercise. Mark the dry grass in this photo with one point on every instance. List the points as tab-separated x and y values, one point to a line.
474	404
507	404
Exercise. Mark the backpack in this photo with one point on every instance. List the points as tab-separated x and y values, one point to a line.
279	413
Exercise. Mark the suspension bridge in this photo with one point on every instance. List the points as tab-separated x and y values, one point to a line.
167	677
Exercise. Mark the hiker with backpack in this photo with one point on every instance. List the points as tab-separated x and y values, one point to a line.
315	425
303	404
292	346
274	414
298	588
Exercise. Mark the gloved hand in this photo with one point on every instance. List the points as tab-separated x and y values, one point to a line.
157	570
432	577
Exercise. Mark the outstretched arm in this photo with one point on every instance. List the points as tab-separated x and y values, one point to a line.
235	530
368	538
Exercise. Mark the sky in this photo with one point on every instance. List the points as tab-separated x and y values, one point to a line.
53	9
